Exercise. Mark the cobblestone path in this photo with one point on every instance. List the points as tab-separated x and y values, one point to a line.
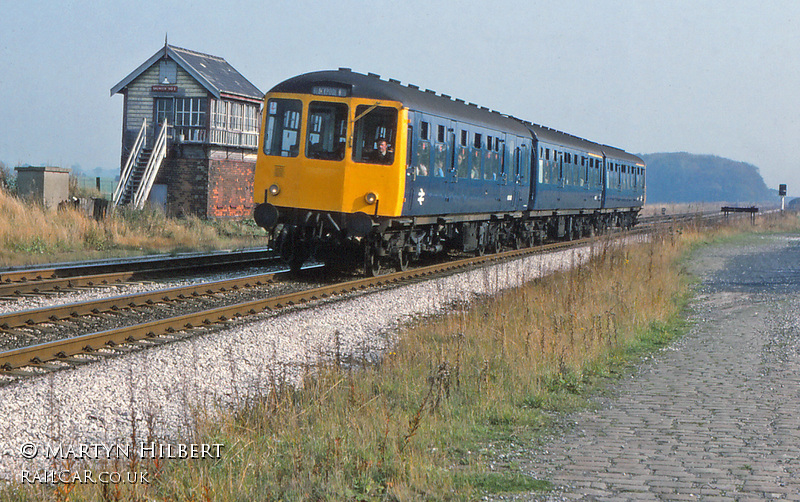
714	417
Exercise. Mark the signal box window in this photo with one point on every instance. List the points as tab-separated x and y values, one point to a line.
373	125
282	127
327	130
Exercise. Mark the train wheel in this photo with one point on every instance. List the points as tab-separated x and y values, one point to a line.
372	262
402	260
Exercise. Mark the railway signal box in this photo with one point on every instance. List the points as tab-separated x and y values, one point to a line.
203	162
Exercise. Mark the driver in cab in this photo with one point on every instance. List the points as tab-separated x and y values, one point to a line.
382	155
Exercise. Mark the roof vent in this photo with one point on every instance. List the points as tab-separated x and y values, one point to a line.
412	86
460	101
344	69
430	91
394	81
373	75
446	96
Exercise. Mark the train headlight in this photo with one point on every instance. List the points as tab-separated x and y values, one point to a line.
274	190
371	198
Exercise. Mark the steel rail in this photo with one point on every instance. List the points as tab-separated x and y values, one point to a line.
92	342
8	289
114	303
139	264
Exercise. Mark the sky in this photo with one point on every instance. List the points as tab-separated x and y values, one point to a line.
714	77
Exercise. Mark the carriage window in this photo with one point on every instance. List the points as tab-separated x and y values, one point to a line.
422	164
423	130
282	127
440	134
478	140
491	165
463	138
373	125
439	159
327	130
462	162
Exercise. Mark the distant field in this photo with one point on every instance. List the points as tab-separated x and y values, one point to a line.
107	185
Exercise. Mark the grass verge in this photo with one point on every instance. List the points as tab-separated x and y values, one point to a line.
30	234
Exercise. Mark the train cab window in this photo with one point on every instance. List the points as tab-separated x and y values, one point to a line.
327	130
282	127
373	125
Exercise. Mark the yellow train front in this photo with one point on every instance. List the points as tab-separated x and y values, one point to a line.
328	166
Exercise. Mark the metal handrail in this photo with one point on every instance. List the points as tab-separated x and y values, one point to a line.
153	165
124	178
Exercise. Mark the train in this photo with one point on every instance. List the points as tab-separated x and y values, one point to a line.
356	169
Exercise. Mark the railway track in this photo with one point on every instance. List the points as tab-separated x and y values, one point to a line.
58	278
29	359
57	354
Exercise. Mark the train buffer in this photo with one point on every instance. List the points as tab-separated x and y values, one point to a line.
726	210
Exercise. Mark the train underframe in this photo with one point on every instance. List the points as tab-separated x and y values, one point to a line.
349	241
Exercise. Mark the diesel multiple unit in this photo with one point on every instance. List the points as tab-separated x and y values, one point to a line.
353	168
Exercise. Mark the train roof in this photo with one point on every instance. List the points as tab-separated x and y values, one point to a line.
622	155
548	135
371	86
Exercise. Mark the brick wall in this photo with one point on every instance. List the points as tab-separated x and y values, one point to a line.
187	181
208	182
230	188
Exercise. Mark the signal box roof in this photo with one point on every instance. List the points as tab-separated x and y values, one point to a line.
214	73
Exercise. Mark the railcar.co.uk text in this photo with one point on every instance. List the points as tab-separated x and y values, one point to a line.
106	451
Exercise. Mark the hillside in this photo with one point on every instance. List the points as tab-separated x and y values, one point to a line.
685	177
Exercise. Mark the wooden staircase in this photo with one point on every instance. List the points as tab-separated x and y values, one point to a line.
135	178
141	169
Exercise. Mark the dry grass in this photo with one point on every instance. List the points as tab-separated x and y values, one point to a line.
30	234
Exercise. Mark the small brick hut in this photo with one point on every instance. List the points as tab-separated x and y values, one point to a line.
213	116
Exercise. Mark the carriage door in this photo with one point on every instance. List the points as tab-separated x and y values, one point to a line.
451	173
426	173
